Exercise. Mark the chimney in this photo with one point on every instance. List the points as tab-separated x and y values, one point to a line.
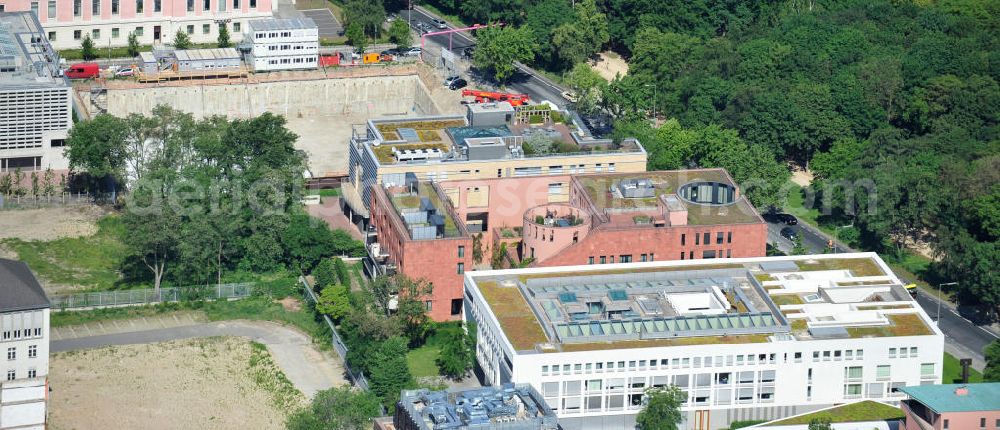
962	391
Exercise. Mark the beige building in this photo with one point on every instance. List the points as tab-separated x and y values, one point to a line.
494	140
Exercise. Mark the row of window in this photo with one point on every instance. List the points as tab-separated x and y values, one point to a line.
706	238
95	7
27	333
300	60
946	425
626	258
12	374
12	352
665	363
139	31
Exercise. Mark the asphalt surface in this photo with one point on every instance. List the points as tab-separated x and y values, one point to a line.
309	370
326	23
524	80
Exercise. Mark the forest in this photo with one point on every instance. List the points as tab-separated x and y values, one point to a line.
892	105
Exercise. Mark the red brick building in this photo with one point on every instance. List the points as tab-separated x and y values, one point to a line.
562	220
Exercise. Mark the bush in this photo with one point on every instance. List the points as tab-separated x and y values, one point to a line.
324	275
536	119
746	423
342	273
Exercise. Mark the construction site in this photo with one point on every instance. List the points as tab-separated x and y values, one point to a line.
320	105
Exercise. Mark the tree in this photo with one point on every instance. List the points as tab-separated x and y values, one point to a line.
223	39
87	49
588	87
368	14
458	353
356	37
324	275
399	33
477	248
341	270
17	188
992	355
343	408
153	235
35	186
133	45
48	186
389	371
6	184
412	310
578	40
307	240
182	40
798	248
820	423
661	409
498	48
334	301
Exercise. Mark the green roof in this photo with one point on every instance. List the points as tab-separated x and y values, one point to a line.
942	398
857	412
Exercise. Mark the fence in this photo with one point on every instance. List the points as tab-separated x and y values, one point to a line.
44	201
356	376
107	299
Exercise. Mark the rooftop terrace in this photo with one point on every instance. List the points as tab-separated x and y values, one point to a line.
26	58
675	191
700	302
423	212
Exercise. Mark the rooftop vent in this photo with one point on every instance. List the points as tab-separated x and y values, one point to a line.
636	188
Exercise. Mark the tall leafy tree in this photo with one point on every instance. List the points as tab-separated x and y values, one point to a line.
498	48
133	45
223	39
182	40
87	49
342	408
580	39
399	33
661	409
992	354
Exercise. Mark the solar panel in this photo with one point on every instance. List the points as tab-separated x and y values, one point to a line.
567	297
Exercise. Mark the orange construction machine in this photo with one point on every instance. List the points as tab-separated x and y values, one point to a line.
491	96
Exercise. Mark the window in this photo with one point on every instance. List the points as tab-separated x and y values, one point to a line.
642	258
718	238
157	5
427	304
236	25
697	239
206	28
77	34
32	372
594	385
139	31
982	423
882	372
625	258
707	239
729	237
683	239
11	353
722	378
604	259
206	5
708	254
590	260
190	29
114	32
138	6
913	352
853	372
11	375
222	5
456	306
114	7
549	389
32	351
52	38
798	357
892	352
852	390
926	369
95	7
77	7
95	33
34	8
190	5
253	4
52	10
571	388
236	5
461	251
767	376
945	427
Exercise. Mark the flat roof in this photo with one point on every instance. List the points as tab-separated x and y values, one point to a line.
19	289
669	303
423	212
281	24
509	406
604	191
27	60
206	54
944	398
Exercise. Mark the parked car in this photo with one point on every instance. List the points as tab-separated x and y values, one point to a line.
125	72
413	52
569	95
450	79
458	84
390	17
440	24
392	52
83	71
788	219
789	233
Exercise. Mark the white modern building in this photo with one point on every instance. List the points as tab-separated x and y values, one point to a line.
35	102
109	22
282	44
24	339
744	338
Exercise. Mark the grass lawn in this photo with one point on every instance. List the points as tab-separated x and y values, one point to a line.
326	192
795	205
421	361
91	262
952	372
855	412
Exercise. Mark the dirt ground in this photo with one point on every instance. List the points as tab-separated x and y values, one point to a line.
70	221
325	139
609	64
801	176
199	383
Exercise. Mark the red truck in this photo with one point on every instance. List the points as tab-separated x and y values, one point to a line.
83	71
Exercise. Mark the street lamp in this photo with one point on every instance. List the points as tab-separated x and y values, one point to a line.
939	300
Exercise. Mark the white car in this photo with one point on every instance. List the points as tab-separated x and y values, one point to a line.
413	52
440	24
569	95
125	72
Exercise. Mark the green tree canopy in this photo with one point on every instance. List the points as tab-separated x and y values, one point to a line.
399	33
661	409
182	40
87	49
343	408
223	40
498	48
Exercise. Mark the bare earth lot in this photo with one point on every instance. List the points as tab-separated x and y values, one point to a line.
49	224
208	383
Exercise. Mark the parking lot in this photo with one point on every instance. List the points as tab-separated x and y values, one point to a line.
327	24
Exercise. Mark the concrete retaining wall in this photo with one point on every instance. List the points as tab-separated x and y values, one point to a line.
371	96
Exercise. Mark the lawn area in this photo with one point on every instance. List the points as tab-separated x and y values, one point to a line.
952	371
855	412
421	361
795	205
90	262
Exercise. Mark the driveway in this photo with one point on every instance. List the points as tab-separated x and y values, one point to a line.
309	369
326	23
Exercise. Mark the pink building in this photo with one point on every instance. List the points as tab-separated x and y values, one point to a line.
952	407
109	22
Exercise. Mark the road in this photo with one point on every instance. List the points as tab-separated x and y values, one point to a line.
308	369
524	80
